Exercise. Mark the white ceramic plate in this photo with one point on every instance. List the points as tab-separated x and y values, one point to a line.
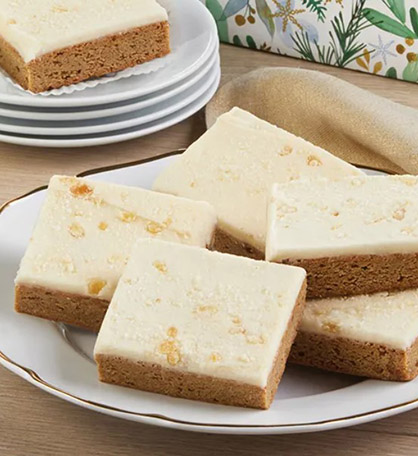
58	359
193	37
132	119
116	136
112	109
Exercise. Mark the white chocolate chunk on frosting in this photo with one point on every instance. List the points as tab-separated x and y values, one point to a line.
37	27
200	311
350	216
235	163
389	319
86	229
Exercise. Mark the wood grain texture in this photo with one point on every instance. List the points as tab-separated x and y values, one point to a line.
35	423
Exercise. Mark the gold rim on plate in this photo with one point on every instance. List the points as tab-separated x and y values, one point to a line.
165	419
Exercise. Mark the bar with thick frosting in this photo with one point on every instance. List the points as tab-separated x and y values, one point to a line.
233	166
86	230
37	27
202	325
354	235
46	44
370	335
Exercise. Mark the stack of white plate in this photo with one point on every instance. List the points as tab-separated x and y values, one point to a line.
126	108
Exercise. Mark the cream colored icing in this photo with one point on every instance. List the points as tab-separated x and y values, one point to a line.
355	215
86	230
235	163
200	311
390	319
37	27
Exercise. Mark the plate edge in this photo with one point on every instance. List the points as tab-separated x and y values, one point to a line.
172	422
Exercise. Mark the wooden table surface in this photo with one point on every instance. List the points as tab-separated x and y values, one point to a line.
33	422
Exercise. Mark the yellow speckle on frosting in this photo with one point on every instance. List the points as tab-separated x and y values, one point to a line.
236	320
171	350
330	327
244	358
237	330
207	309
408	180
173	358
76	230
113	259
103	226
160	266
408	230
81	190
253	339
127	216
59	9
155	227
399	214
283	209
215	357
313	161
95	286
286	150
172	331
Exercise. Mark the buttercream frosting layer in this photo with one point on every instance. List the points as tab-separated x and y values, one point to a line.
390	319
235	163
86	229
350	216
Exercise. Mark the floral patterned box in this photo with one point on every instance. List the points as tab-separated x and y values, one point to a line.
375	36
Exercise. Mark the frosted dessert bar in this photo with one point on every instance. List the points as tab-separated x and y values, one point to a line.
201	325
371	335
357	235
47	44
233	166
82	241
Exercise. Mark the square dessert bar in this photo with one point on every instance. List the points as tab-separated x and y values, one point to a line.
82	241
357	235
233	166
371	336
46	44
200	325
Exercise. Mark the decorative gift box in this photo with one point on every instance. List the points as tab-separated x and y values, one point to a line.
375	36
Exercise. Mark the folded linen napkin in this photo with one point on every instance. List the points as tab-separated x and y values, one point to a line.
352	123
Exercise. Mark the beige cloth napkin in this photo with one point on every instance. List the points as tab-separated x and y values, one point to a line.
350	122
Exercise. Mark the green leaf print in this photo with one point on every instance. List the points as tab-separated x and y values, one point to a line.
345	35
344	46
392	73
398	9
216	9
250	42
316	7
265	14
237	41
410	73
414	19
384	22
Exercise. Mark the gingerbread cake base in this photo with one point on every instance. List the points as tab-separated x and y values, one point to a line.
172	382
83	311
359	274
86	60
226	243
364	359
